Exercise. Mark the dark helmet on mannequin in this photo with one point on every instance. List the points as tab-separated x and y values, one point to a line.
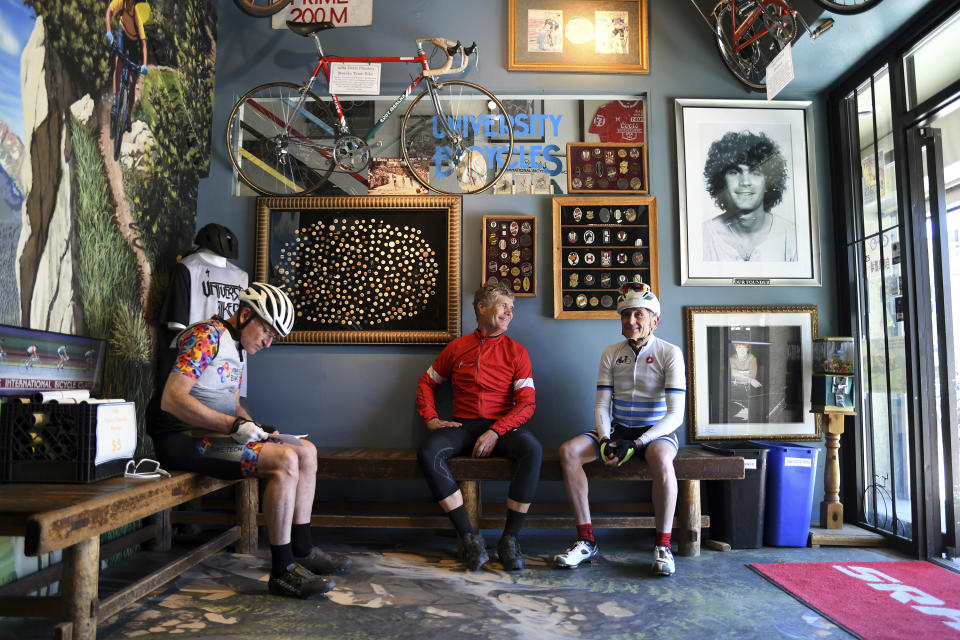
217	238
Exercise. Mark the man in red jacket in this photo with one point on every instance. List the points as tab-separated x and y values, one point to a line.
493	397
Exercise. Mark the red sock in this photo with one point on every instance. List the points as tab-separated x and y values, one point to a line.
663	539
585	532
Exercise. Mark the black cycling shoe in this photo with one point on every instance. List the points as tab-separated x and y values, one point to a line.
297	582
474	551
320	562
510	554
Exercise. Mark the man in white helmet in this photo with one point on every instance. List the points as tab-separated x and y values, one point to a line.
641	391
197	424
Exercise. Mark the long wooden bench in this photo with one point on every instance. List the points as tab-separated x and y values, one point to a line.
692	465
71	517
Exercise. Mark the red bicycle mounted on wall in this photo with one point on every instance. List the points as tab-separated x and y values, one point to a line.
750	33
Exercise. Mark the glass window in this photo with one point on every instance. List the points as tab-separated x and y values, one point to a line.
932	64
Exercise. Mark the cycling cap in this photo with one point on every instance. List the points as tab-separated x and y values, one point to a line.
637	294
217	238
271	304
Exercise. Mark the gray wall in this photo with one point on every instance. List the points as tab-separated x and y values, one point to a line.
365	395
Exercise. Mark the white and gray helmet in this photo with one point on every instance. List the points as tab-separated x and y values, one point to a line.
637	294
271	304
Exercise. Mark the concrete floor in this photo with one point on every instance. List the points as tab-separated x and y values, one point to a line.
408	585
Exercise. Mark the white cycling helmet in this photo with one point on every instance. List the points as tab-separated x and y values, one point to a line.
637	294
271	304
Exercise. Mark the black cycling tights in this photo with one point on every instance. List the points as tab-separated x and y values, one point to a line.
518	445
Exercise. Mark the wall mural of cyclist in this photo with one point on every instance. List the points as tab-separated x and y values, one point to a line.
83	206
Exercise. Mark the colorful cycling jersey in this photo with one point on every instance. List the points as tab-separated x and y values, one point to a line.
640	385
619	121
208	353
129	20
491	376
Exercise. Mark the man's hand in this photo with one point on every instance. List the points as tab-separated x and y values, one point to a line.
109	38
617	451
247	431
485	444
436	423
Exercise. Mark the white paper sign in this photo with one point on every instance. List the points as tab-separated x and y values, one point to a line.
789	461
780	72
116	432
750	464
355	78
342	13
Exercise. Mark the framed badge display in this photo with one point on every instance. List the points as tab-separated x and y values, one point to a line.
509	253
598	244
364	270
606	167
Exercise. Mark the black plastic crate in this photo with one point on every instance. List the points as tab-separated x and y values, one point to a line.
52	443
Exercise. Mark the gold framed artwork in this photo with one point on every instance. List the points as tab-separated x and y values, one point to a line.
598	244
509	253
592	36
748	372
606	167
364	270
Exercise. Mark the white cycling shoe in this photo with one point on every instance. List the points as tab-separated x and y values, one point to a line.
581	551
663	561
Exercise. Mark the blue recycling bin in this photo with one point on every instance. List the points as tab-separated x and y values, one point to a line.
791	476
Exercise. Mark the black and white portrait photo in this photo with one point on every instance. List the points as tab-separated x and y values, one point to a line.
747	215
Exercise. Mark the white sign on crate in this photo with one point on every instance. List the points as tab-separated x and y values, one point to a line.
116	431
342	13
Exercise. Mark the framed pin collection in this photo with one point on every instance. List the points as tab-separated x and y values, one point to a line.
598	244
606	167
509	252
364	270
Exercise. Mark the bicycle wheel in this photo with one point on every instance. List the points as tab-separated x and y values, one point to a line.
278	151
261	8
457	158
120	123
749	63
847	6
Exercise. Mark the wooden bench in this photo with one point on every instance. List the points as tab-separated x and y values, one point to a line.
71	517
692	465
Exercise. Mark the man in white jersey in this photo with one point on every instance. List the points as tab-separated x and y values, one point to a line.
644	378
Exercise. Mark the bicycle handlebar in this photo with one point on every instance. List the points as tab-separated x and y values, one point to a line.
127	60
451	49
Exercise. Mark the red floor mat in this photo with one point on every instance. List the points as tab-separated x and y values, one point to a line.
876	600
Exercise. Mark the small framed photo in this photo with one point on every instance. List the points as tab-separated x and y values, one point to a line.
510	253
749	371
748	202
590	36
528	123
606	167
599	243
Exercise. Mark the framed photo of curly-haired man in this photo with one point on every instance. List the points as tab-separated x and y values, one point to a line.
748	207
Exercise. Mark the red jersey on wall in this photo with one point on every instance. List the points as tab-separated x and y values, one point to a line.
619	121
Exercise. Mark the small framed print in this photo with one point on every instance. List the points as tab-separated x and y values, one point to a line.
606	167
510	253
599	243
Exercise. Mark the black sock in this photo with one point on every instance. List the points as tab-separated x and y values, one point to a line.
300	539
460	520
514	522
281	557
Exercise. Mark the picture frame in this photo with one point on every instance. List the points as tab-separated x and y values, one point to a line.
509	253
598	244
606	167
588	36
522	112
771	238
364	270
748	372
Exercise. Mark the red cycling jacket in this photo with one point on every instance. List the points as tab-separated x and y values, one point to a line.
491	377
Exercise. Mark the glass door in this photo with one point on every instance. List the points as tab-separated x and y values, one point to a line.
934	161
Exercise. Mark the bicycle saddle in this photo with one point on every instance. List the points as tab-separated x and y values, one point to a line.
307	28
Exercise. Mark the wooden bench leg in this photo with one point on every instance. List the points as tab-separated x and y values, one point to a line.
248	504
688	517
81	575
471	501
163	541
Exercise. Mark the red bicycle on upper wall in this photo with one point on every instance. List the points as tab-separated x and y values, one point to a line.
750	33
261	8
